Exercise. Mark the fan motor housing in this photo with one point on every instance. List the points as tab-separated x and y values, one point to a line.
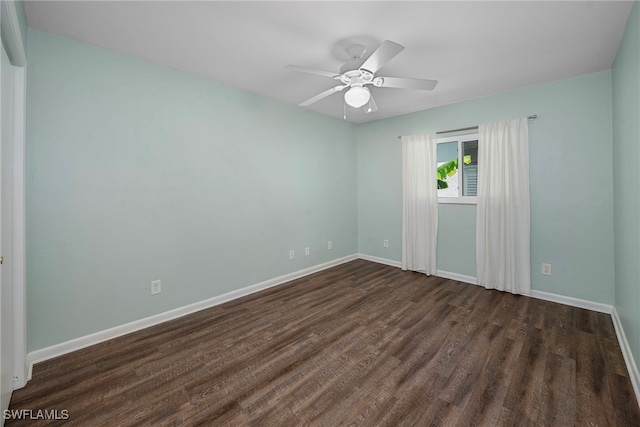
350	73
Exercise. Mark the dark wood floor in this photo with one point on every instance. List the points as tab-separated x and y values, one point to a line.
358	344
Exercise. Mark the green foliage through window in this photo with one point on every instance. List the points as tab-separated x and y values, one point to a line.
449	169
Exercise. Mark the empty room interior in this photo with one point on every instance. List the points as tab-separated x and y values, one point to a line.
320	213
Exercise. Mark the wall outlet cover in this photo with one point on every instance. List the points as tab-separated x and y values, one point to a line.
156	287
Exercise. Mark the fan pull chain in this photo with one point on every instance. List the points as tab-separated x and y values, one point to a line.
344	106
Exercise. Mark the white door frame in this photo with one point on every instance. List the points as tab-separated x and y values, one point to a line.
12	39
21	372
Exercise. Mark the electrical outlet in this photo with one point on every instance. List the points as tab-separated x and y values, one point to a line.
292	254
306	251
329	245
546	269
156	287
385	243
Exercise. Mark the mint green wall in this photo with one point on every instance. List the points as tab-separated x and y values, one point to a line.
136	172
570	174
456	250
626	178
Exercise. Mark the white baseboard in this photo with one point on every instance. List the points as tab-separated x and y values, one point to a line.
574	302
379	260
98	337
456	276
632	368
439	273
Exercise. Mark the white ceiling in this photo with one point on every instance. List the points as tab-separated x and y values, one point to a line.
472	48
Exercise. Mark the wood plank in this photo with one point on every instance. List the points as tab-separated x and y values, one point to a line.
485	404
592	388
558	397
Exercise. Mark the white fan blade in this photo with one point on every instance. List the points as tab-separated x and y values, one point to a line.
385	53
324	94
312	71
371	106
404	83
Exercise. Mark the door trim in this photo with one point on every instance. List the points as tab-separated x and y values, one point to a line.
20	364
12	36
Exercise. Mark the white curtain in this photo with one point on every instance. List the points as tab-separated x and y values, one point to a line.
419	203
503	218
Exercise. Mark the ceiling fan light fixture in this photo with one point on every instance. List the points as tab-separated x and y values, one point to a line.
357	96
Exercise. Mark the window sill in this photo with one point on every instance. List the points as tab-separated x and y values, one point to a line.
457	200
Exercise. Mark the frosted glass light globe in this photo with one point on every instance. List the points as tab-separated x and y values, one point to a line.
357	96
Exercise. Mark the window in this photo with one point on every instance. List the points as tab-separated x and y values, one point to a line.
458	169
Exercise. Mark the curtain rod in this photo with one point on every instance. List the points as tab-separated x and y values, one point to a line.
532	117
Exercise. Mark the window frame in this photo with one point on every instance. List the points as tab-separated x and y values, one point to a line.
460	200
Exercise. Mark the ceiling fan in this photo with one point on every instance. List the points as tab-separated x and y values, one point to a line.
357	74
